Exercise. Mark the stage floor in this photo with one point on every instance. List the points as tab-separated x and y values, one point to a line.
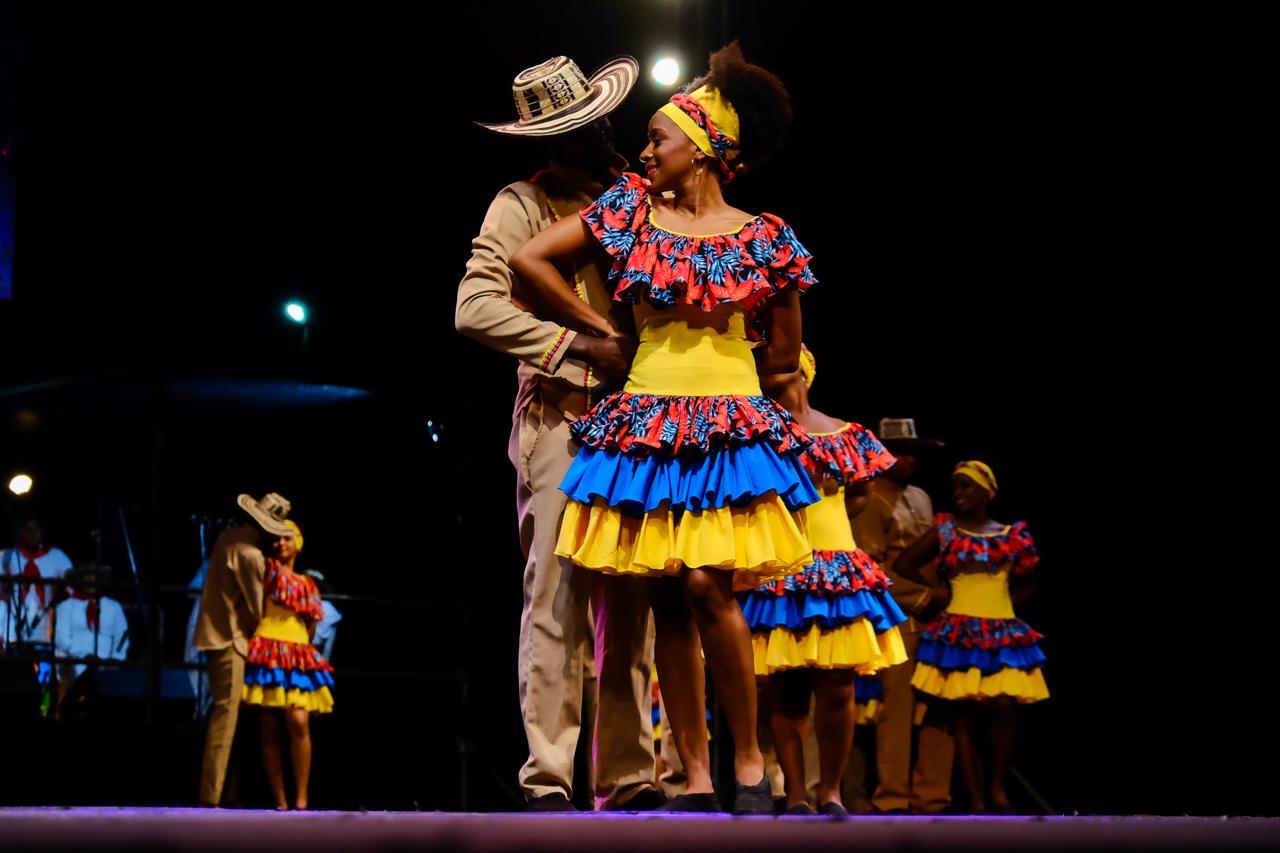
141	829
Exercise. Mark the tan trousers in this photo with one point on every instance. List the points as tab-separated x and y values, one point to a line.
556	642
226	680
926	787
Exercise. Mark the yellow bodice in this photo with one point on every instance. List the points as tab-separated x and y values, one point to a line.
281	624
981	593
685	351
828	523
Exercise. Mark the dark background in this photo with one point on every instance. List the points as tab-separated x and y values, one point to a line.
1034	226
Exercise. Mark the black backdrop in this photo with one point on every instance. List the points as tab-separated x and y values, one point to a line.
1034	232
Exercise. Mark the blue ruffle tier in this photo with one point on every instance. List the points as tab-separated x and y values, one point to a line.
726	476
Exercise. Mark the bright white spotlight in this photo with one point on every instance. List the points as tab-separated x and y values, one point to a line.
296	311
21	484
666	71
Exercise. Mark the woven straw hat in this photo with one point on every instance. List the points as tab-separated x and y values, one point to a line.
556	97
270	512
902	432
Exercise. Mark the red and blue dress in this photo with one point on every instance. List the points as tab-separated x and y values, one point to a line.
978	649
837	613
690	464
283	669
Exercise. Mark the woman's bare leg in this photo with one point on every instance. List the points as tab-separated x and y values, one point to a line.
792	692
967	755
1004	732
299	723
678	654
726	639
272	761
834	715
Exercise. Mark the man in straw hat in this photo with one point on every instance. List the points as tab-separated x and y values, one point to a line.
230	608
897	513
559	369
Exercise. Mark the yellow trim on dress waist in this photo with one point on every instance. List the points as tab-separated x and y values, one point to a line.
828	523
982	594
709	358
281	624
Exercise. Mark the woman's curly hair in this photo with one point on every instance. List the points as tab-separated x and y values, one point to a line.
762	102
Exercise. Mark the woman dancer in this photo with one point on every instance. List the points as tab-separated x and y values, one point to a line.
815	631
977	653
283	672
690	475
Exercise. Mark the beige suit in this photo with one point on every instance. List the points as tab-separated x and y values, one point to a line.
895	516
230	608
556	643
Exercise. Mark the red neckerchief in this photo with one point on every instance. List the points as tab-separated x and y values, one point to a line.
90	609
31	570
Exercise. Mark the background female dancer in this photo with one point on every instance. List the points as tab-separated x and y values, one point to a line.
284	673
977	653
814	631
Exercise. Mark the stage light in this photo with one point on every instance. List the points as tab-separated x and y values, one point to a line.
296	311
21	484
666	71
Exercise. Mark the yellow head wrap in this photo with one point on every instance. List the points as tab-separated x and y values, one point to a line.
980	473
297	534
710	121
808	365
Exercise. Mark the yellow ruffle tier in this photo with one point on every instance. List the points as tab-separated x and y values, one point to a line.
1022	685
854	646
868	714
760	542
317	701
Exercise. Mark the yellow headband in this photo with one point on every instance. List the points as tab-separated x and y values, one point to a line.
718	111
980	473
297	534
808	365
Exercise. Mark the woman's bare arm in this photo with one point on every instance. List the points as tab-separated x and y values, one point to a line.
916	555
783	332
535	263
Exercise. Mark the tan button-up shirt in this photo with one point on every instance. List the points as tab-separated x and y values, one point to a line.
894	517
231	603
491	306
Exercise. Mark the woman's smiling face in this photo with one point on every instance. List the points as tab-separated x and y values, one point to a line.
285	548
966	495
669	156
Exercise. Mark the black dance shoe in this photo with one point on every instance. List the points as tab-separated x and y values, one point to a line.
645	800
833	809
753	799
800	810
692	803
556	802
